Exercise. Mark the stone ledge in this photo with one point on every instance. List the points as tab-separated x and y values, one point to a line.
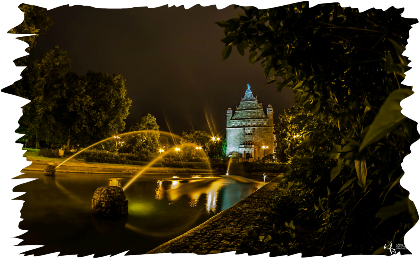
218	234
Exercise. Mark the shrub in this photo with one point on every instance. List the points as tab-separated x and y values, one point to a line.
49	153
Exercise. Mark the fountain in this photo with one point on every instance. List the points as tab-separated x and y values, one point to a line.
230	161
110	201
49	170
154	161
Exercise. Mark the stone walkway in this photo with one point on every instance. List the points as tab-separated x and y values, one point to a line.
224	231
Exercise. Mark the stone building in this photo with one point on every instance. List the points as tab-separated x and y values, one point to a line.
249	131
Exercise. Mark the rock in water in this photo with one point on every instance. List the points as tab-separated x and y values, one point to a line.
50	170
109	201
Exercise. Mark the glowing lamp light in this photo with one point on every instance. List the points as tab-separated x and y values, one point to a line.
177	149
160	150
213	138
218	139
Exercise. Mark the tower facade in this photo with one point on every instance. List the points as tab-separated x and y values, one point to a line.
249	131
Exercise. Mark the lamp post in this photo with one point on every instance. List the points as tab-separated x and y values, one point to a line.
197	148
264	147
215	141
116	141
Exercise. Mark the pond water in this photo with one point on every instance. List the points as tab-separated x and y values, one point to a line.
57	211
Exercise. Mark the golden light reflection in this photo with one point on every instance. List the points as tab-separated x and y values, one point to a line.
194	199
175	184
212	195
140	208
174	195
159	190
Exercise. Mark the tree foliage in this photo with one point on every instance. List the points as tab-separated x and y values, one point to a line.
67	106
213	149
144	144
345	69
36	21
41	83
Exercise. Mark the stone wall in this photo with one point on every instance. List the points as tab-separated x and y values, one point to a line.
235	137
263	137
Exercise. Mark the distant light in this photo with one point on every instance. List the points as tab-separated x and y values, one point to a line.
177	149
218	138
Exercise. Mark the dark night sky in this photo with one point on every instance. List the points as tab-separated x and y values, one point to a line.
170	57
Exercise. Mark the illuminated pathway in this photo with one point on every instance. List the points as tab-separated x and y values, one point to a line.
222	233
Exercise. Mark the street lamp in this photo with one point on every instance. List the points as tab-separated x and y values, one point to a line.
264	147
197	148
177	149
116	141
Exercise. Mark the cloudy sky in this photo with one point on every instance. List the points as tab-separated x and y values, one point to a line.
170	57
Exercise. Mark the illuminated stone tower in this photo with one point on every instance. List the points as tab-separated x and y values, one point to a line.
249	129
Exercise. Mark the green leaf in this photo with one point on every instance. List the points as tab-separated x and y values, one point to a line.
393	184
361	171
228	39
241	47
226	52
291	225
367	104
336	170
387	212
387	119
271	81
268	66
280	85
347	184
317	107
253	55
320	204
267	51
392	67
348	147
222	23
298	85
351	141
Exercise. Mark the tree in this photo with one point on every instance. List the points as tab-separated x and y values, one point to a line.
37	22
345	69
40	83
66	106
198	137
108	108
144	144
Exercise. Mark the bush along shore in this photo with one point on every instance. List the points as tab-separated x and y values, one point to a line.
102	156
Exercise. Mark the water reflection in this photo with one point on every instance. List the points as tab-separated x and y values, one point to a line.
57	211
159	190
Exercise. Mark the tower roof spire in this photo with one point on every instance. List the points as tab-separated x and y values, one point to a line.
248	94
